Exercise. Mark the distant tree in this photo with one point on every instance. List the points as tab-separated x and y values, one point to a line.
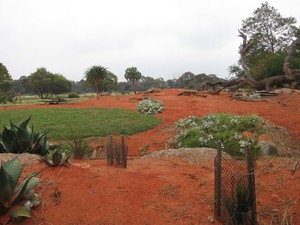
46	84
133	75
95	75
4	74
6	92
110	82
186	80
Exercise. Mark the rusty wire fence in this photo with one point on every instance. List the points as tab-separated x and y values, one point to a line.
235	200
117	152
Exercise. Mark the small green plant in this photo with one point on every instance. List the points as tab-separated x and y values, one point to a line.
56	157
16	199
144	150
22	138
150	106
79	148
73	95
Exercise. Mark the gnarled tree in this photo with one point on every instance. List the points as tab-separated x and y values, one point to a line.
270	36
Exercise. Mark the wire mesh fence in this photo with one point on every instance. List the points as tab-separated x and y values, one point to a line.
235	200
117	152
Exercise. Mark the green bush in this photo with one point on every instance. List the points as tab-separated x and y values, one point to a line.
15	198
73	95
206	131
22	138
150	106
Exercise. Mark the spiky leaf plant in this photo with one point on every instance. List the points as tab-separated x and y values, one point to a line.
16	199
22	138
56	157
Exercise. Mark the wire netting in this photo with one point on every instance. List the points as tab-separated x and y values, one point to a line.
234	191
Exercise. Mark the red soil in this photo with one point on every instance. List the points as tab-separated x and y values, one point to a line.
165	191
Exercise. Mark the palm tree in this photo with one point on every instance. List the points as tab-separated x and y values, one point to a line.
133	75
95	75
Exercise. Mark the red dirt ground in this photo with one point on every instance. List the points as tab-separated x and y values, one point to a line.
165	191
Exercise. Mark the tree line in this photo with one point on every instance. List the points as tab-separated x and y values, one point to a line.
269	57
97	79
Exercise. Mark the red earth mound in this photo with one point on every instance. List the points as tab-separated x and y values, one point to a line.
165	191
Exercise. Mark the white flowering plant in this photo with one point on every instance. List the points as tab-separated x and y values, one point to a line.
206	131
150	106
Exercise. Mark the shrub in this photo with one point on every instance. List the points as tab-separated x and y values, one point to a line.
56	157
150	106
22	138
16	199
79	148
73	95
206	131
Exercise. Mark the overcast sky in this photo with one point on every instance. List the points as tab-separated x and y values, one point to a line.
162	38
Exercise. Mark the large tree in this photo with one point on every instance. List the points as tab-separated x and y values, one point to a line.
133	75
268	30
95	75
6	92
268	33
46	84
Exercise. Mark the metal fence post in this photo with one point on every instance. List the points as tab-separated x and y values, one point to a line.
251	182
218	181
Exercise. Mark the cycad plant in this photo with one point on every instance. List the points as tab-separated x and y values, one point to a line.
22	138
16	199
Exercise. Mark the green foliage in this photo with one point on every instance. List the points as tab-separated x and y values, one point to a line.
268	30
79	148
73	95
46	84
133	75
150	106
56	157
85	122
206	131
144	150
16	199
95	75
22	138
6	91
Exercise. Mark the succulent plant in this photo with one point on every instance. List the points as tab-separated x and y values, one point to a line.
56	157
22	138
17	199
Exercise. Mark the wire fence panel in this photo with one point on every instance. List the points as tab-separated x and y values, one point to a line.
116	152
235	201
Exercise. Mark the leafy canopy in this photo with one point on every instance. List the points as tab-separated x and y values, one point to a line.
133	75
268	30
46	84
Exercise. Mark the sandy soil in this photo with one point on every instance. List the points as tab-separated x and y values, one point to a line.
165	190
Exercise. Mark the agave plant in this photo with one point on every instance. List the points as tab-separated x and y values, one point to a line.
16	199
56	157
20	139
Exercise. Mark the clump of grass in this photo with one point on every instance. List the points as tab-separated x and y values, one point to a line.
206	131
79	148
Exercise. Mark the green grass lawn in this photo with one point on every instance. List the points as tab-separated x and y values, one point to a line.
65	123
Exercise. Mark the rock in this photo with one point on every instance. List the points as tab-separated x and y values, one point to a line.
210	219
285	91
25	158
268	148
265	137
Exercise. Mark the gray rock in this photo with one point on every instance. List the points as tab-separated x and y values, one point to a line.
268	148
